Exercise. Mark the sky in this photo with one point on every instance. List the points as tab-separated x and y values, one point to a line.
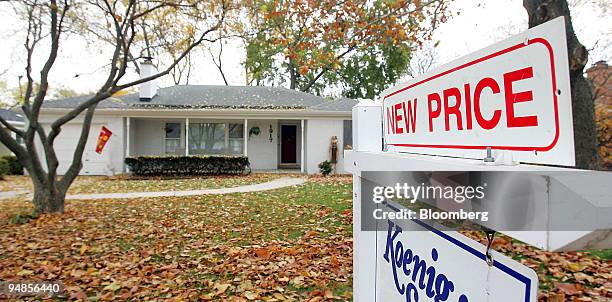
479	23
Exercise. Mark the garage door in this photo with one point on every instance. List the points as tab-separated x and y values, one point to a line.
93	163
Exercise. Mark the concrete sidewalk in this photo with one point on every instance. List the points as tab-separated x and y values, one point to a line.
11	194
271	185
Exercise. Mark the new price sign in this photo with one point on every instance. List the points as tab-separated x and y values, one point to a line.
513	95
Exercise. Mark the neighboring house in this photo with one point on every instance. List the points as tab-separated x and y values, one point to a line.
13	119
600	75
295	128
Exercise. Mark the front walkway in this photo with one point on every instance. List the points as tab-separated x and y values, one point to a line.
271	185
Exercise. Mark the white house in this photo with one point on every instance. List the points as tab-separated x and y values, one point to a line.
13	119
276	128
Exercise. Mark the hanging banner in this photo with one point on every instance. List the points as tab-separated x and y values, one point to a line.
104	136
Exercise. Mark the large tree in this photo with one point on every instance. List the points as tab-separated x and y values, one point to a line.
117	22
585	133
311	45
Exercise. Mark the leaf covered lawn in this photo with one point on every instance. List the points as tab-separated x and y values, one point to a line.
562	276
120	184
288	244
291	244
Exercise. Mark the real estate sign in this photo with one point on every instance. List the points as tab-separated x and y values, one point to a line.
432	265
513	96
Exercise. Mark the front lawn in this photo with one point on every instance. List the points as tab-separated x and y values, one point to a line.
120	184
290	244
286	244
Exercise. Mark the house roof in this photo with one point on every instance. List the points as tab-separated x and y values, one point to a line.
217	97
11	116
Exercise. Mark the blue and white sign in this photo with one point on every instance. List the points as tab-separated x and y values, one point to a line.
417	262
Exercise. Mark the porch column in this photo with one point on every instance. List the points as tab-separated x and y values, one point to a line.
302	161
246	136
127	140
186	136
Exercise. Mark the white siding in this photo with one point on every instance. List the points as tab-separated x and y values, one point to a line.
4	150
148	136
318	139
261	152
108	163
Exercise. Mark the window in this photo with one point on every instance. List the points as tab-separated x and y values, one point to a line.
236	138
216	138
206	138
173	137
347	136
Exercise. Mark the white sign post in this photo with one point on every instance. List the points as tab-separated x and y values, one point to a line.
512	98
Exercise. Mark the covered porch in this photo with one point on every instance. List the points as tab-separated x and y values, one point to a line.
270	144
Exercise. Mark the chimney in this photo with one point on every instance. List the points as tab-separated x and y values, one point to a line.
147	89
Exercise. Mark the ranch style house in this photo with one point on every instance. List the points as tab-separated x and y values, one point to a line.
276	128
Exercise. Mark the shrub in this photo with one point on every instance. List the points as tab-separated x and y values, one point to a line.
14	166
325	167
188	165
4	167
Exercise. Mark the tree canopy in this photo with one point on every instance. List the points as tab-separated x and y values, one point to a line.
360	47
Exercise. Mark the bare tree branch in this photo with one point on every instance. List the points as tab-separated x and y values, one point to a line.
217	61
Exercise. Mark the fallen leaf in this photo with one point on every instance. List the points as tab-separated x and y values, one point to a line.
567	288
25	272
221	288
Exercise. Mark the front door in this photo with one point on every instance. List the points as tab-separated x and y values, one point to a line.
288	142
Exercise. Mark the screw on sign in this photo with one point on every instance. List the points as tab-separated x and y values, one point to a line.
105	135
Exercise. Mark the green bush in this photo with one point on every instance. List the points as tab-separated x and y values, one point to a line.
14	166
4	167
188	165
325	167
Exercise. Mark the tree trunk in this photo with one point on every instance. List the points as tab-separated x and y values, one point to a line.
48	198
292	76
583	109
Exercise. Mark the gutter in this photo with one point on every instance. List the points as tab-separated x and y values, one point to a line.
208	113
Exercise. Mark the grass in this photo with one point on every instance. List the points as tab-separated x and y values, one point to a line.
602	254
119	184
268	238
168	246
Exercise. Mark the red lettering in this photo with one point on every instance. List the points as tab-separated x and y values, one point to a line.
448	110
390	121
519	97
398	117
433	114
410	116
484	123
468	107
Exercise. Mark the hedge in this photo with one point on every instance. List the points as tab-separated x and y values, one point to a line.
10	165
4	167
188	165
14	166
